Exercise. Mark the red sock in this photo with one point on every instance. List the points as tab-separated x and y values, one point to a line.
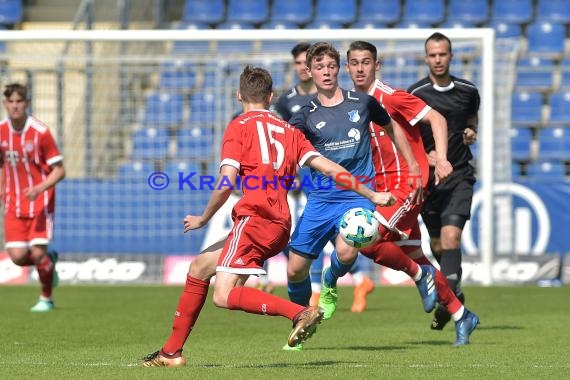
444	293
390	255
189	307
255	301
45	270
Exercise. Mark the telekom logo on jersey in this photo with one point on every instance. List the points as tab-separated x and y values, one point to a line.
194	181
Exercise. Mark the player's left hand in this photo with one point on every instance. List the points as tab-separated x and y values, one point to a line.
469	136
416	184
31	193
443	170
193	222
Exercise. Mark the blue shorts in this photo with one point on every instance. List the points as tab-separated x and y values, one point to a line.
319	224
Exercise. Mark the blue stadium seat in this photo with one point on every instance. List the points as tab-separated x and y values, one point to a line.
279	25
384	12
11	12
252	11
412	24
560	108
474	11
505	29
235	24
526	109
399	72
554	144
134	170
172	168
546	38
534	74
150	144
323	24
203	108
163	109
245	47
210	12
457	24
195	143
553	10
431	12
177	76
514	11
546	170
299	12
565	74
366	24
521	140
339	11
191	47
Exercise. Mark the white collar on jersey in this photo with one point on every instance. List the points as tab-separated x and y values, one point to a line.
450	86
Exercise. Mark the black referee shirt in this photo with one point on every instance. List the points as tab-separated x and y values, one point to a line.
456	102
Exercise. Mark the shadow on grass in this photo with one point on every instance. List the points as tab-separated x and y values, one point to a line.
320	363
362	348
430	343
499	327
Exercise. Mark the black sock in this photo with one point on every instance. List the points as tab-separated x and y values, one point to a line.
451	268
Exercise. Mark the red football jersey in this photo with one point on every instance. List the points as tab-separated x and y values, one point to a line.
407	110
27	156
266	150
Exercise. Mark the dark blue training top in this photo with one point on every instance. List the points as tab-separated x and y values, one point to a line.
290	102
341	133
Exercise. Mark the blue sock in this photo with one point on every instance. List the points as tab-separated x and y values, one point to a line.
300	292
361	264
336	270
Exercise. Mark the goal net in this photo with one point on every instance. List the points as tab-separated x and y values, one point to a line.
139	116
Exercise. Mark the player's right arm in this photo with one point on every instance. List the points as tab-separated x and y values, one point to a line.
232	148
438	158
219	196
398	135
1	182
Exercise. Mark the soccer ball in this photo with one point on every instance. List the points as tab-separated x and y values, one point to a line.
358	227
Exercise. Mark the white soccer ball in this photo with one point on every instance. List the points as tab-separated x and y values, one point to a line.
358	227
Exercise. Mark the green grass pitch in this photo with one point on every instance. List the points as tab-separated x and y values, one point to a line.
103	332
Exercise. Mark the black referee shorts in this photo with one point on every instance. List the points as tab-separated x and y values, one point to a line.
449	204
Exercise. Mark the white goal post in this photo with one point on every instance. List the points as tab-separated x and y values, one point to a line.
83	52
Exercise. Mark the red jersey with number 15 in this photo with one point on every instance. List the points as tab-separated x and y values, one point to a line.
26	159
267	151
407	110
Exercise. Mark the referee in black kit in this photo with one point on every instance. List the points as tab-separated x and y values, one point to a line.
448	206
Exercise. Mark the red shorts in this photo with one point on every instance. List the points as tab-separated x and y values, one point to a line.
251	241
403	215
26	232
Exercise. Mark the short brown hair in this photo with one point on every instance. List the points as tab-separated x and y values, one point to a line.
16	88
301	47
437	37
255	85
319	50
